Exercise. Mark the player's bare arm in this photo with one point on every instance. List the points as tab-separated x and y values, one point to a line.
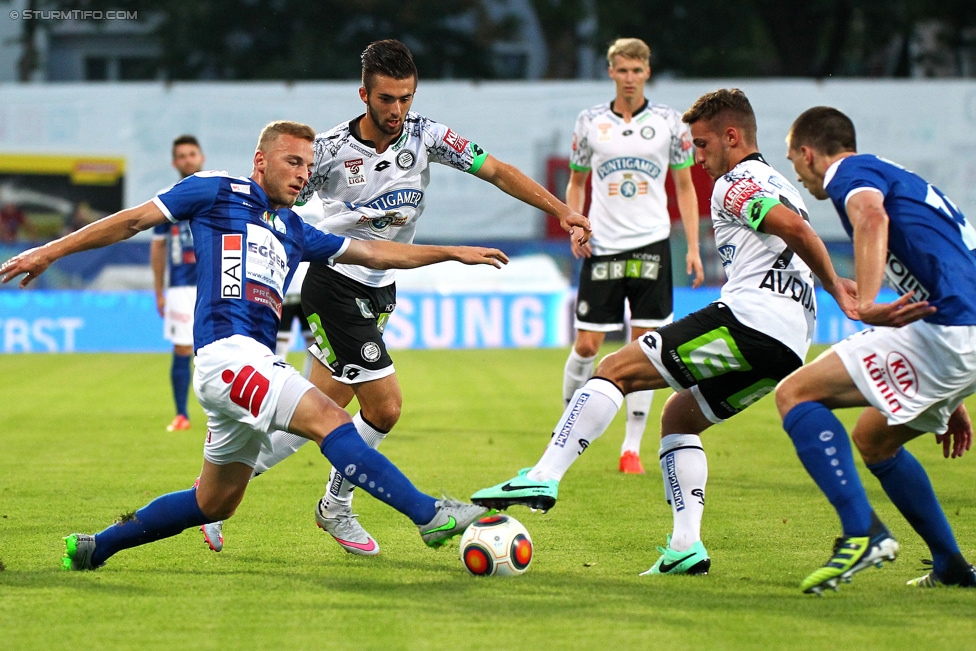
511	181
870	221
157	260
575	198
804	241
114	228
959	436
688	209
381	254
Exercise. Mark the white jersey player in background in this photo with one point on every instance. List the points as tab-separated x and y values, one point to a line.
625	148
377	165
720	359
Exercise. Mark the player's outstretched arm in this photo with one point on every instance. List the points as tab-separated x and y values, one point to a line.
114	228
804	241
380	254
870	221
157	261
511	181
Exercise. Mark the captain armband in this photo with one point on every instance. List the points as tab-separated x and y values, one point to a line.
757	209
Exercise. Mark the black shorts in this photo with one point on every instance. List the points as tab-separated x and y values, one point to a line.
641	277
727	365
347	319
290	312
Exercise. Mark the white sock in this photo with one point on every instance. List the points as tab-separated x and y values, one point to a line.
283	444
578	370
685	471
587	416
338	492
638	407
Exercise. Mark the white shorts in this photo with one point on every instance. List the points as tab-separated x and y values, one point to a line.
247	392
915	375
178	315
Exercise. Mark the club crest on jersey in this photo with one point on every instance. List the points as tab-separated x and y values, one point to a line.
355	172
454	141
231	250
647	133
405	159
271	219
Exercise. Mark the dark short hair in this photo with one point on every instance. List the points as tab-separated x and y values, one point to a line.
389	58
726	107
186	139
824	129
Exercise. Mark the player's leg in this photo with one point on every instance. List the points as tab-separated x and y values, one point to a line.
908	487
587	416
330	427
804	400
650	294
178	329
582	358
684	470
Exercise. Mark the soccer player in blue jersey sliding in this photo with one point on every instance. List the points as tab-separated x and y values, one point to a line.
248	243
911	371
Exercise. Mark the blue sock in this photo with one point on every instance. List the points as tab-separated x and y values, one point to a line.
908	487
165	516
179	374
823	447
367	468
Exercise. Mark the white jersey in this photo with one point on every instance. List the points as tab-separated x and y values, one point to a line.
629	163
371	196
769	288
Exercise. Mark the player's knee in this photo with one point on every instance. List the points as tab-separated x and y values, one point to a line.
874	449
586	348
383	416
787	396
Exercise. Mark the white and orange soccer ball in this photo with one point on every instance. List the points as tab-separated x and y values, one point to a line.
496	545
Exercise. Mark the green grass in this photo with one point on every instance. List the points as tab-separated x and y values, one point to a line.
82	441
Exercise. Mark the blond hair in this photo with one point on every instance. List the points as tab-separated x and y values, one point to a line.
631	48
278	128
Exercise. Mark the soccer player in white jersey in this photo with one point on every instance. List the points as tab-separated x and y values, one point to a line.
379	163
625	147
910	372
720	359
248	245
174	267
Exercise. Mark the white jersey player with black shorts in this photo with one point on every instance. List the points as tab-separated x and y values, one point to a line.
377	166
720	359
622	151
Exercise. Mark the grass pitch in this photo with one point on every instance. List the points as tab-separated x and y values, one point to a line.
83	440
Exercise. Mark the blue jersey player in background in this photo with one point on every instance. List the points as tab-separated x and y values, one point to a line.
174	267
248	243
911	371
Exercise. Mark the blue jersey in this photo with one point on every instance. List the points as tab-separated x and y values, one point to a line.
930	241
180	258
246	254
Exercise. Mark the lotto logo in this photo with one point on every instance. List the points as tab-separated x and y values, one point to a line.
454	141
248	388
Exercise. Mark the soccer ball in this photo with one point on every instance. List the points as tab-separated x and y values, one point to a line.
496	545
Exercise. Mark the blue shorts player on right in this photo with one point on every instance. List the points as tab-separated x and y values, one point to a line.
911	371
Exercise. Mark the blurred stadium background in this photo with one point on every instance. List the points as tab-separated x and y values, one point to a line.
94	93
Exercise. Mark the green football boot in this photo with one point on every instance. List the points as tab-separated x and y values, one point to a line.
78	550
693	560
851	555
540	495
